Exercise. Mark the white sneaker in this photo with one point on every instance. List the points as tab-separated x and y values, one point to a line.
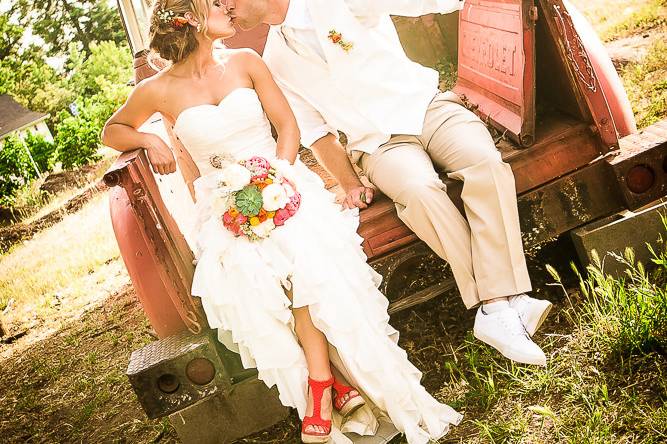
532	311
504	331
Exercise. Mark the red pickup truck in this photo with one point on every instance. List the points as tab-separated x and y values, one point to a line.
532	69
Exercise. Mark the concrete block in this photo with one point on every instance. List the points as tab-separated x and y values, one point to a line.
249	407
616	232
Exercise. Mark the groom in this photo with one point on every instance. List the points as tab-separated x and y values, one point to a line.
342	68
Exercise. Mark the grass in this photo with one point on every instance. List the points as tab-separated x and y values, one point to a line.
606	381
64	266
646	85
614	19
72	387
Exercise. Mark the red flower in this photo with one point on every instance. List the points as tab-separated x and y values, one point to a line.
281	216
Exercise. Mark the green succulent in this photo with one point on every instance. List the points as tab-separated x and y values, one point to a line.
249	200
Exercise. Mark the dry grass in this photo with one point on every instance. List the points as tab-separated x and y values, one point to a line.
65	268
613	19
646	84
72	387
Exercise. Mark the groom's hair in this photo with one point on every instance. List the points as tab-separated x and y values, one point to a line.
171	38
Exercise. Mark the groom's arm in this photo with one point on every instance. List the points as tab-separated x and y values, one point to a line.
332	156
321	138
408	8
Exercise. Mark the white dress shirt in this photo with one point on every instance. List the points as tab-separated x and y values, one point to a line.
370	92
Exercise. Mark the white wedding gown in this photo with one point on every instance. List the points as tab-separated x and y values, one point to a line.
319	252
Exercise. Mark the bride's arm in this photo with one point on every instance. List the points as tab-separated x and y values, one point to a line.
121	130
275	105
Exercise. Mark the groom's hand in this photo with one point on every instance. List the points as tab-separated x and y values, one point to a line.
360	197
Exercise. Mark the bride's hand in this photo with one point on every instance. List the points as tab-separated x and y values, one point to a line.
160	155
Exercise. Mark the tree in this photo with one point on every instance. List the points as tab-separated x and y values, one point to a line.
107	63
61	22
10	35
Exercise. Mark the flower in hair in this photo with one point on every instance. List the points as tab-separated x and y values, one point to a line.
170	17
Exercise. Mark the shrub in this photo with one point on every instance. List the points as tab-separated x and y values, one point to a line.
16	169
77	139
43	152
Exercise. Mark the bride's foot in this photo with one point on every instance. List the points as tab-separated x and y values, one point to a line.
347	399
316	426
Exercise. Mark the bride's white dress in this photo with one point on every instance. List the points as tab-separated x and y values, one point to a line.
318	253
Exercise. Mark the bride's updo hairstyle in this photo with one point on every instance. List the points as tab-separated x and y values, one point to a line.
171	37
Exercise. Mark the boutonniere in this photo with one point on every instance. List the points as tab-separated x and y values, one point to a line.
337	39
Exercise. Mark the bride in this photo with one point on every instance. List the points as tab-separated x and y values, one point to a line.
296	299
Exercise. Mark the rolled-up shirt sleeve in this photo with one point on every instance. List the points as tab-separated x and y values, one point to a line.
312	125
408	8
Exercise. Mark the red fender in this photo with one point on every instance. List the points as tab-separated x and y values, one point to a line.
610	82
142	268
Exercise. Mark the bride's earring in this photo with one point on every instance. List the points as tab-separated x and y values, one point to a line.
198	27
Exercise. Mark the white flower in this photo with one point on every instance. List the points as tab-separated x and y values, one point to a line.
264	229
274	197
236	176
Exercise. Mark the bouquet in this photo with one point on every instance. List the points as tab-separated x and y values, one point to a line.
256	198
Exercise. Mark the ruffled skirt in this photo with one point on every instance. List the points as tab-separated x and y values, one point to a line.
318	254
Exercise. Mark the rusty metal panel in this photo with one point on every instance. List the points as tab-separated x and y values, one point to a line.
582	75
496	63
167	246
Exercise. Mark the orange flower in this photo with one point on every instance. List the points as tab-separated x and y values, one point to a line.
233	211
254	221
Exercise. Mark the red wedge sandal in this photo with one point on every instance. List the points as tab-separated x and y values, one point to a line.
344	402
311	437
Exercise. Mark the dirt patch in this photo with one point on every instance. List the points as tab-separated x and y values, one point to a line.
16	233
71	386
633	49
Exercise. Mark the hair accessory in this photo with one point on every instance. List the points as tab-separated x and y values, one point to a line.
168	16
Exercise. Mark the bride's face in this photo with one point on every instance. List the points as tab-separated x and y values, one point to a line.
219	23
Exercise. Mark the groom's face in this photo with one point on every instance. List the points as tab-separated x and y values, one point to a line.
247	13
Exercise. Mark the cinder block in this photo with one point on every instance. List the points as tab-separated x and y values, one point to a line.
615	233
249	407
177	371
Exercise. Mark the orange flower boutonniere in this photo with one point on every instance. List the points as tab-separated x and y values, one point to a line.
337	39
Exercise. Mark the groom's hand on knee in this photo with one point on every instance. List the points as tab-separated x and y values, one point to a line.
359	197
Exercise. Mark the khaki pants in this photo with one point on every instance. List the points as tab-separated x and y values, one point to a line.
485	252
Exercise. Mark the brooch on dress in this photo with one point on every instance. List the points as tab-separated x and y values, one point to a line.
220	161
337	39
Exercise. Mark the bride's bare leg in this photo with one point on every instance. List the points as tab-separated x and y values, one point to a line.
316	349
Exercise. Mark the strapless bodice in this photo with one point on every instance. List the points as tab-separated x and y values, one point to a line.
237	126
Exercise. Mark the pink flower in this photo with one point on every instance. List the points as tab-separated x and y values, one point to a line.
258	165
281	216
241	219
294	203
227	218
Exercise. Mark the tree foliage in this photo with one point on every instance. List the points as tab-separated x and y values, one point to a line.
61	22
